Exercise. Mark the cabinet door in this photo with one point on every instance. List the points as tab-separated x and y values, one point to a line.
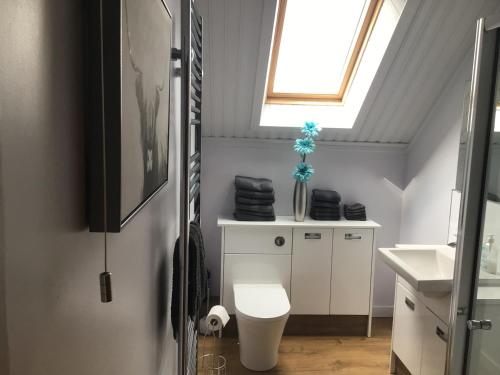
407	329
434	345
311	270
351	271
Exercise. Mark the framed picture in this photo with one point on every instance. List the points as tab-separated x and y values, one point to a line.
129	53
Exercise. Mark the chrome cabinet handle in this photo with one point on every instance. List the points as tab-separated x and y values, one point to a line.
279	241
440	333
312	236
352	236
410	303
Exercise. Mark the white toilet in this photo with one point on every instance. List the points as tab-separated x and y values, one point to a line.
261	314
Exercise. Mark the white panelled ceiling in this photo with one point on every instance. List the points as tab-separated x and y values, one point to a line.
432	45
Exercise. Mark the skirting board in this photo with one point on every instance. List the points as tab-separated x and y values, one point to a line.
383	311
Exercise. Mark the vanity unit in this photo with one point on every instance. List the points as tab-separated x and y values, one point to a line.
326	267
421	305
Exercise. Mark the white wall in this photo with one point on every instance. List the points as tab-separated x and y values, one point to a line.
55	321
372	176
432	165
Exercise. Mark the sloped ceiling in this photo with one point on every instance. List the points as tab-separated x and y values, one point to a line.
433	42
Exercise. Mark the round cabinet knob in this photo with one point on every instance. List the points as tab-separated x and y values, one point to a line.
279	241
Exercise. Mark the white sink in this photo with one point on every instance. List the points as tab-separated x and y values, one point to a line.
429	269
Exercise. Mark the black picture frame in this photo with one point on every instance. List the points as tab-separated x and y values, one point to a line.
107	127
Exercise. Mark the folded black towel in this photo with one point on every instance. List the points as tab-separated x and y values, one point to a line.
325	195
322	204
325	209
251	217
362	218
254	194
354	211
325	213
354	207
259	210
244	200
325	217
253	184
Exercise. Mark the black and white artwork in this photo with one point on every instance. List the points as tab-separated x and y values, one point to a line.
146	45
129	136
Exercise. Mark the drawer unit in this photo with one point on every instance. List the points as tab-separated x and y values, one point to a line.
311	270
258	240
407	330
351	271
254	269
438	304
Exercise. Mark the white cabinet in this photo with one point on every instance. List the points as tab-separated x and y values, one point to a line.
311	269
418	335
407	329
351	278
326	267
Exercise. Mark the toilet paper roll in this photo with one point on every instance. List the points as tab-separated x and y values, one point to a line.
217	318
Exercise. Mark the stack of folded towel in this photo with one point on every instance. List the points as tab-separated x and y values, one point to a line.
254	199
325	205
355	211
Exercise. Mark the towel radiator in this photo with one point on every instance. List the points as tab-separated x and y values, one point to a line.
191	56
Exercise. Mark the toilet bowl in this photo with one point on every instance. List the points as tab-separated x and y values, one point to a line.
261	314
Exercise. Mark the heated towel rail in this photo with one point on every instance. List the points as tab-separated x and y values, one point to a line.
191	55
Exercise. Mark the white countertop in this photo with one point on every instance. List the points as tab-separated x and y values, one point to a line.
288	221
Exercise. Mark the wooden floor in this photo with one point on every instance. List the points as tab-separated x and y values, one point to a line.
318	355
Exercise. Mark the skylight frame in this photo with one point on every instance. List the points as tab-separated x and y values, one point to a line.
356	53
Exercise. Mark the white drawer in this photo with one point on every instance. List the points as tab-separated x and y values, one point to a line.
438	304
254	269
258	240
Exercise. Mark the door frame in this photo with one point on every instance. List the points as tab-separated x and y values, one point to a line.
473	200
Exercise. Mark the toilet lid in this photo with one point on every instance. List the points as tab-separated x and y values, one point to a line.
261	301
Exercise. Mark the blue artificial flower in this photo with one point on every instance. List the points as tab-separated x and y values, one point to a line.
303	172
310	129
304	146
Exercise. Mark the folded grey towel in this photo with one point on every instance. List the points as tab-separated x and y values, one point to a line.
254	194
325	217
324	204
253	184
325	195
251	201
325	211
260	210
249	217
354	207
356	218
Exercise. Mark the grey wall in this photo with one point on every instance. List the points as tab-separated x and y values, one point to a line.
432	165
55	321
372	176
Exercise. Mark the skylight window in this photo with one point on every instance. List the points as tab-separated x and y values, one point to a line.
317	46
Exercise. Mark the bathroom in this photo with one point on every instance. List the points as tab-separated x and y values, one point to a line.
410	134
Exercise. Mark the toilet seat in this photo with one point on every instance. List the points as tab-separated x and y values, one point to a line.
261	302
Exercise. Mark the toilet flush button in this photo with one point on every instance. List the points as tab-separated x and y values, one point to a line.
279	241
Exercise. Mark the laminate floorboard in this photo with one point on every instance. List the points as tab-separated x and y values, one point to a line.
317	355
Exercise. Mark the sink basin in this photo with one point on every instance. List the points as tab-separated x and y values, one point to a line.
428	269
